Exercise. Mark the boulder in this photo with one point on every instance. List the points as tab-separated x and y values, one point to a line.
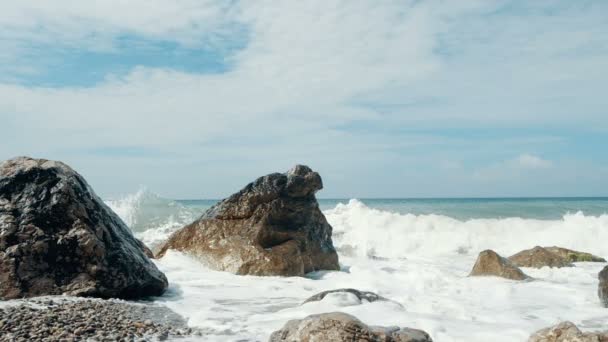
361	295
602	289
538	257
567	332
273	226
574	256
58	237
338	326
489	263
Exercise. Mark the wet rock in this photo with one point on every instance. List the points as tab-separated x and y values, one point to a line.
538	257
602	289
574	256
58	237
361	295
567	332
489	263
271	227
338	326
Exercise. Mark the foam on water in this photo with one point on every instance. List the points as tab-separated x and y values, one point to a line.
419	262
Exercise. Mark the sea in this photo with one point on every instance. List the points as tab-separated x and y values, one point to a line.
416	252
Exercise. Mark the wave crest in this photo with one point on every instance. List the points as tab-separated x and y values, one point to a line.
151	217
366	232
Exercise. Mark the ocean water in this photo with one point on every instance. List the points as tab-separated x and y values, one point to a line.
416	252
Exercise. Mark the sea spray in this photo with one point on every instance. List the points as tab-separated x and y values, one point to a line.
151	217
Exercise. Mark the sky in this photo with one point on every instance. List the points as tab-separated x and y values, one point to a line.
196	98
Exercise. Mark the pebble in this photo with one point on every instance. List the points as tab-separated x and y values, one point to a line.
61	319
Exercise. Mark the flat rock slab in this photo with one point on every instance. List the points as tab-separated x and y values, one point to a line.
574	256
75	319
539	257
361	295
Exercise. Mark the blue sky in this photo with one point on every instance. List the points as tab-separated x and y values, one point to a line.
193	99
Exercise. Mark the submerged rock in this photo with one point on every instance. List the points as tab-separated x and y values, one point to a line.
538	257
271	227
58	237
567	332
574	256
361	295
602	288
489	263
338	326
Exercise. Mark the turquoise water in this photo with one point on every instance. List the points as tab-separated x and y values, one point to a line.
468	208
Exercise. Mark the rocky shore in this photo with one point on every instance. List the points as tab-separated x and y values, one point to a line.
76	319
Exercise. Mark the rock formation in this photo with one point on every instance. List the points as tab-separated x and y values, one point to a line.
273	226
361	295
58	237
602	288
538	257
574	256
567	332
489	263
338	326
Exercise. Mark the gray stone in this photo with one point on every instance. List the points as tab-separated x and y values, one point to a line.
567	332
58	237
538	257
602	288
489	263
361	295
338	326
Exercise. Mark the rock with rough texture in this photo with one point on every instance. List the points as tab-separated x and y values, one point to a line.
271	227
567	332
58	237
338	326
361	295
489	263
538	257
602	289
574	256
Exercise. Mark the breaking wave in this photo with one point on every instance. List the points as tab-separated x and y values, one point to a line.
363	231
151	217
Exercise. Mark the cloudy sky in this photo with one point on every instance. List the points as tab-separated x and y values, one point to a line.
194	98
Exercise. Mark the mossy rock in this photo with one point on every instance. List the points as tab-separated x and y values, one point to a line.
575	256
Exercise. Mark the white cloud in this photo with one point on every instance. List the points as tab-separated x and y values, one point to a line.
306	69
529	161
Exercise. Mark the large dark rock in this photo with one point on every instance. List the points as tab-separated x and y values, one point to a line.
489	263
271	227
539	257
602	288
58	237
341	327
567	332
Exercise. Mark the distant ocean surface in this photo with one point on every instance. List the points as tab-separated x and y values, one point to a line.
469	208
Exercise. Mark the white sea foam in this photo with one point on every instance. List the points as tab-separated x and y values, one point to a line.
364	231
420	262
